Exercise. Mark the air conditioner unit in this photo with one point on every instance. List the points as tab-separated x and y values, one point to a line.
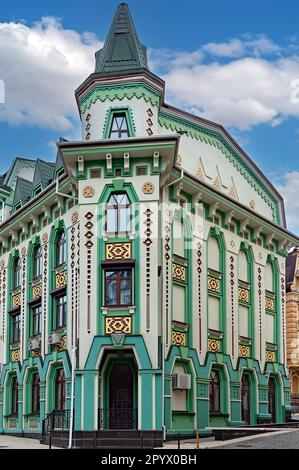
181	381
54	338
34	344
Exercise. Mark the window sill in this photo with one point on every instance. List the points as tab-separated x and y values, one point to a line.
219	414
121	308
14	346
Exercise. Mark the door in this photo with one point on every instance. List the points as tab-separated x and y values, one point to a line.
272	399
121	397
245	399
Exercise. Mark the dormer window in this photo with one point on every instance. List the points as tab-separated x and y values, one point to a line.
119	127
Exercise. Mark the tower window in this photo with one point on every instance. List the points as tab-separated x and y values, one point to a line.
119	127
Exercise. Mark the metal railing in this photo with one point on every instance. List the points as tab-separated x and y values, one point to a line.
57	420
117	418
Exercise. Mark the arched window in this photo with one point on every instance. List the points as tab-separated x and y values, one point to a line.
37	261
118	213
119	127
215	286
214	392
61	249
35	393
60	390
14	396
17	273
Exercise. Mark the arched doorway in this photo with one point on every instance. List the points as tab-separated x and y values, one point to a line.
122	414
245	399
272	398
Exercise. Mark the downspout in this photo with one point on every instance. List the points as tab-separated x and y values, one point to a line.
63	194
2	209
175	181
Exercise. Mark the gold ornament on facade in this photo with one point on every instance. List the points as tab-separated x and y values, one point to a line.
148	188
61	279
37	291
214	345
16	355
16	300
216	183
178	338
243	294
118	325
75	217
88	191
244	351
36	353
2	265
270	356
45	238
232	193
214	284
118	251
178	272
62	345
179	160
23	251
269	304
252	204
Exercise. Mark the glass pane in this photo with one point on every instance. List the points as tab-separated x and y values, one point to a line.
111	292
111	220
124	219
125	292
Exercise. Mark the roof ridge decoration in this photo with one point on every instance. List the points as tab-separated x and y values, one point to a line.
122	51
214	138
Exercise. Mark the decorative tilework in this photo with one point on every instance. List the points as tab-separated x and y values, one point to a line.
178	338
37	291
147	242
16	355
118	251
199	271
243	294
179	272
118	325
270	304
244	351
88	191
214	284
62	345
148	188
232	296
61	279
270	356
214	345
16	300
167	275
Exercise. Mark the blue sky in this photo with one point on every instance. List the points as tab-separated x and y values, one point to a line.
243	57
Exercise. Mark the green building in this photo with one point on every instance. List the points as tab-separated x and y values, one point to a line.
150	261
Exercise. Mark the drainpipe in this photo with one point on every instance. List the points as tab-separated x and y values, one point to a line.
2	209
72	397
177	180
63	194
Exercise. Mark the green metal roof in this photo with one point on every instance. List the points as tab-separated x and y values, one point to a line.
44	172
122	51
23	191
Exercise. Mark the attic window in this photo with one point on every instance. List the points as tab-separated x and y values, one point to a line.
17	206
119	126
37	190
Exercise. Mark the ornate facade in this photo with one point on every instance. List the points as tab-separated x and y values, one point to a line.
292	306
156	249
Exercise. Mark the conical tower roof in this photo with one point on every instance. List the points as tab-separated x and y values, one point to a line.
122	51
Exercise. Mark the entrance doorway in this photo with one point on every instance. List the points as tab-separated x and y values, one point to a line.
272	399
245	399
122	414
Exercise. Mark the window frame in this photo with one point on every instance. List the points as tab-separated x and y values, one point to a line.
60	389
119	130
118	280
14	396
35	394
33	317
15	326
17	270
117	208
61	249
215	392
57	324
37	262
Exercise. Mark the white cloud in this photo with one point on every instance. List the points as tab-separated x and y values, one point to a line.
248	45
289	189
240	93
41	67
